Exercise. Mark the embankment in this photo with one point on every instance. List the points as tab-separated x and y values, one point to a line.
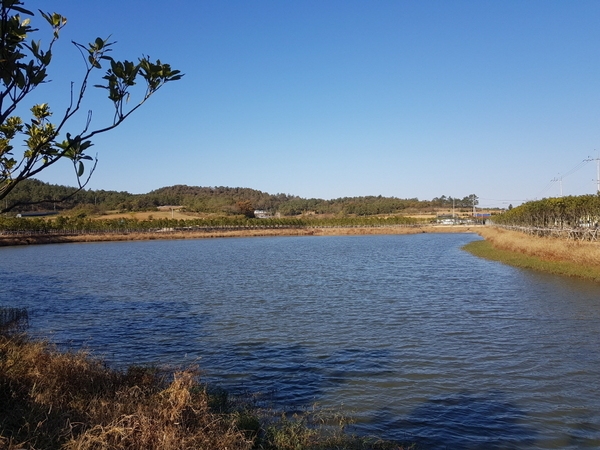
9	240
552	255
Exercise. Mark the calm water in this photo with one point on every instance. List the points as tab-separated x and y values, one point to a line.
414	337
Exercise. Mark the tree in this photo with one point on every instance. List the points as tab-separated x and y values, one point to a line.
471	200
24	66
245	207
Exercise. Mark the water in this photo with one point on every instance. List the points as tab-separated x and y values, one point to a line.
415	338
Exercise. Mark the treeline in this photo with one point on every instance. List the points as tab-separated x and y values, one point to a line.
572	211
449	202
34	195
79	224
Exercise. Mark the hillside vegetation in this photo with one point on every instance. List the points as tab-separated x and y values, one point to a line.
34	195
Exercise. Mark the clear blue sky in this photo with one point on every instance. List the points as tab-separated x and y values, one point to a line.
330	99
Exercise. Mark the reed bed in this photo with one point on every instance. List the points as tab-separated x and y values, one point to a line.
72	401
52	400
554	255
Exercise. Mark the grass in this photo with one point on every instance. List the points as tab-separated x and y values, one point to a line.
69	400
550	255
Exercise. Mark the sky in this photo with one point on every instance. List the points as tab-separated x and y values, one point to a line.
332	99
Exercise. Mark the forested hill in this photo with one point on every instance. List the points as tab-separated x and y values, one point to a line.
32	195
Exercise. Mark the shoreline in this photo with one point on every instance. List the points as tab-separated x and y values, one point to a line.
558	256
75	400
6	241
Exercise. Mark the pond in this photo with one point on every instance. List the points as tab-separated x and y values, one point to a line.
413	337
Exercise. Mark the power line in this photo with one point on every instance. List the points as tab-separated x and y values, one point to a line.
576	168
569	172
597	171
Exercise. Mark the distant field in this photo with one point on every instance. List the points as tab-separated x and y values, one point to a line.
178	214
145	215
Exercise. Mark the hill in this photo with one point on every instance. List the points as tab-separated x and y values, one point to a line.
35	195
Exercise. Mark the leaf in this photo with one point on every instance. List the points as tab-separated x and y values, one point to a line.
21	10
46	16
35	47
47	58
80	169
94	62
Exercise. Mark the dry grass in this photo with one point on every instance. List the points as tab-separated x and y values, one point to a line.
307	231
553	255
55	400
50	399
550	249
146	215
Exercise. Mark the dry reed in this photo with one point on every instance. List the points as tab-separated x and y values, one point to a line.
551	255
50	399
550	249
56	400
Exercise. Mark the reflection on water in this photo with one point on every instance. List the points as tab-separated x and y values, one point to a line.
466	421
415	338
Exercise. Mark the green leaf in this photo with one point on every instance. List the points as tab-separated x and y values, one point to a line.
46	58
80	169
21	10
35	47
94	62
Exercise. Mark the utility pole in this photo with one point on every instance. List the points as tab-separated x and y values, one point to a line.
598	175
597	172
559	182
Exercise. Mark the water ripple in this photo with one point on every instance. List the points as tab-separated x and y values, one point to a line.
413	337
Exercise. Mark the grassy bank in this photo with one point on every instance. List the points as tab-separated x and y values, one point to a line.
551	255
56	400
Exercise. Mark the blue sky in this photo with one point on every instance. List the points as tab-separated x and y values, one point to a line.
331	99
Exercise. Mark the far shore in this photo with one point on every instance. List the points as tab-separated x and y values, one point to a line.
305	231
551	255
